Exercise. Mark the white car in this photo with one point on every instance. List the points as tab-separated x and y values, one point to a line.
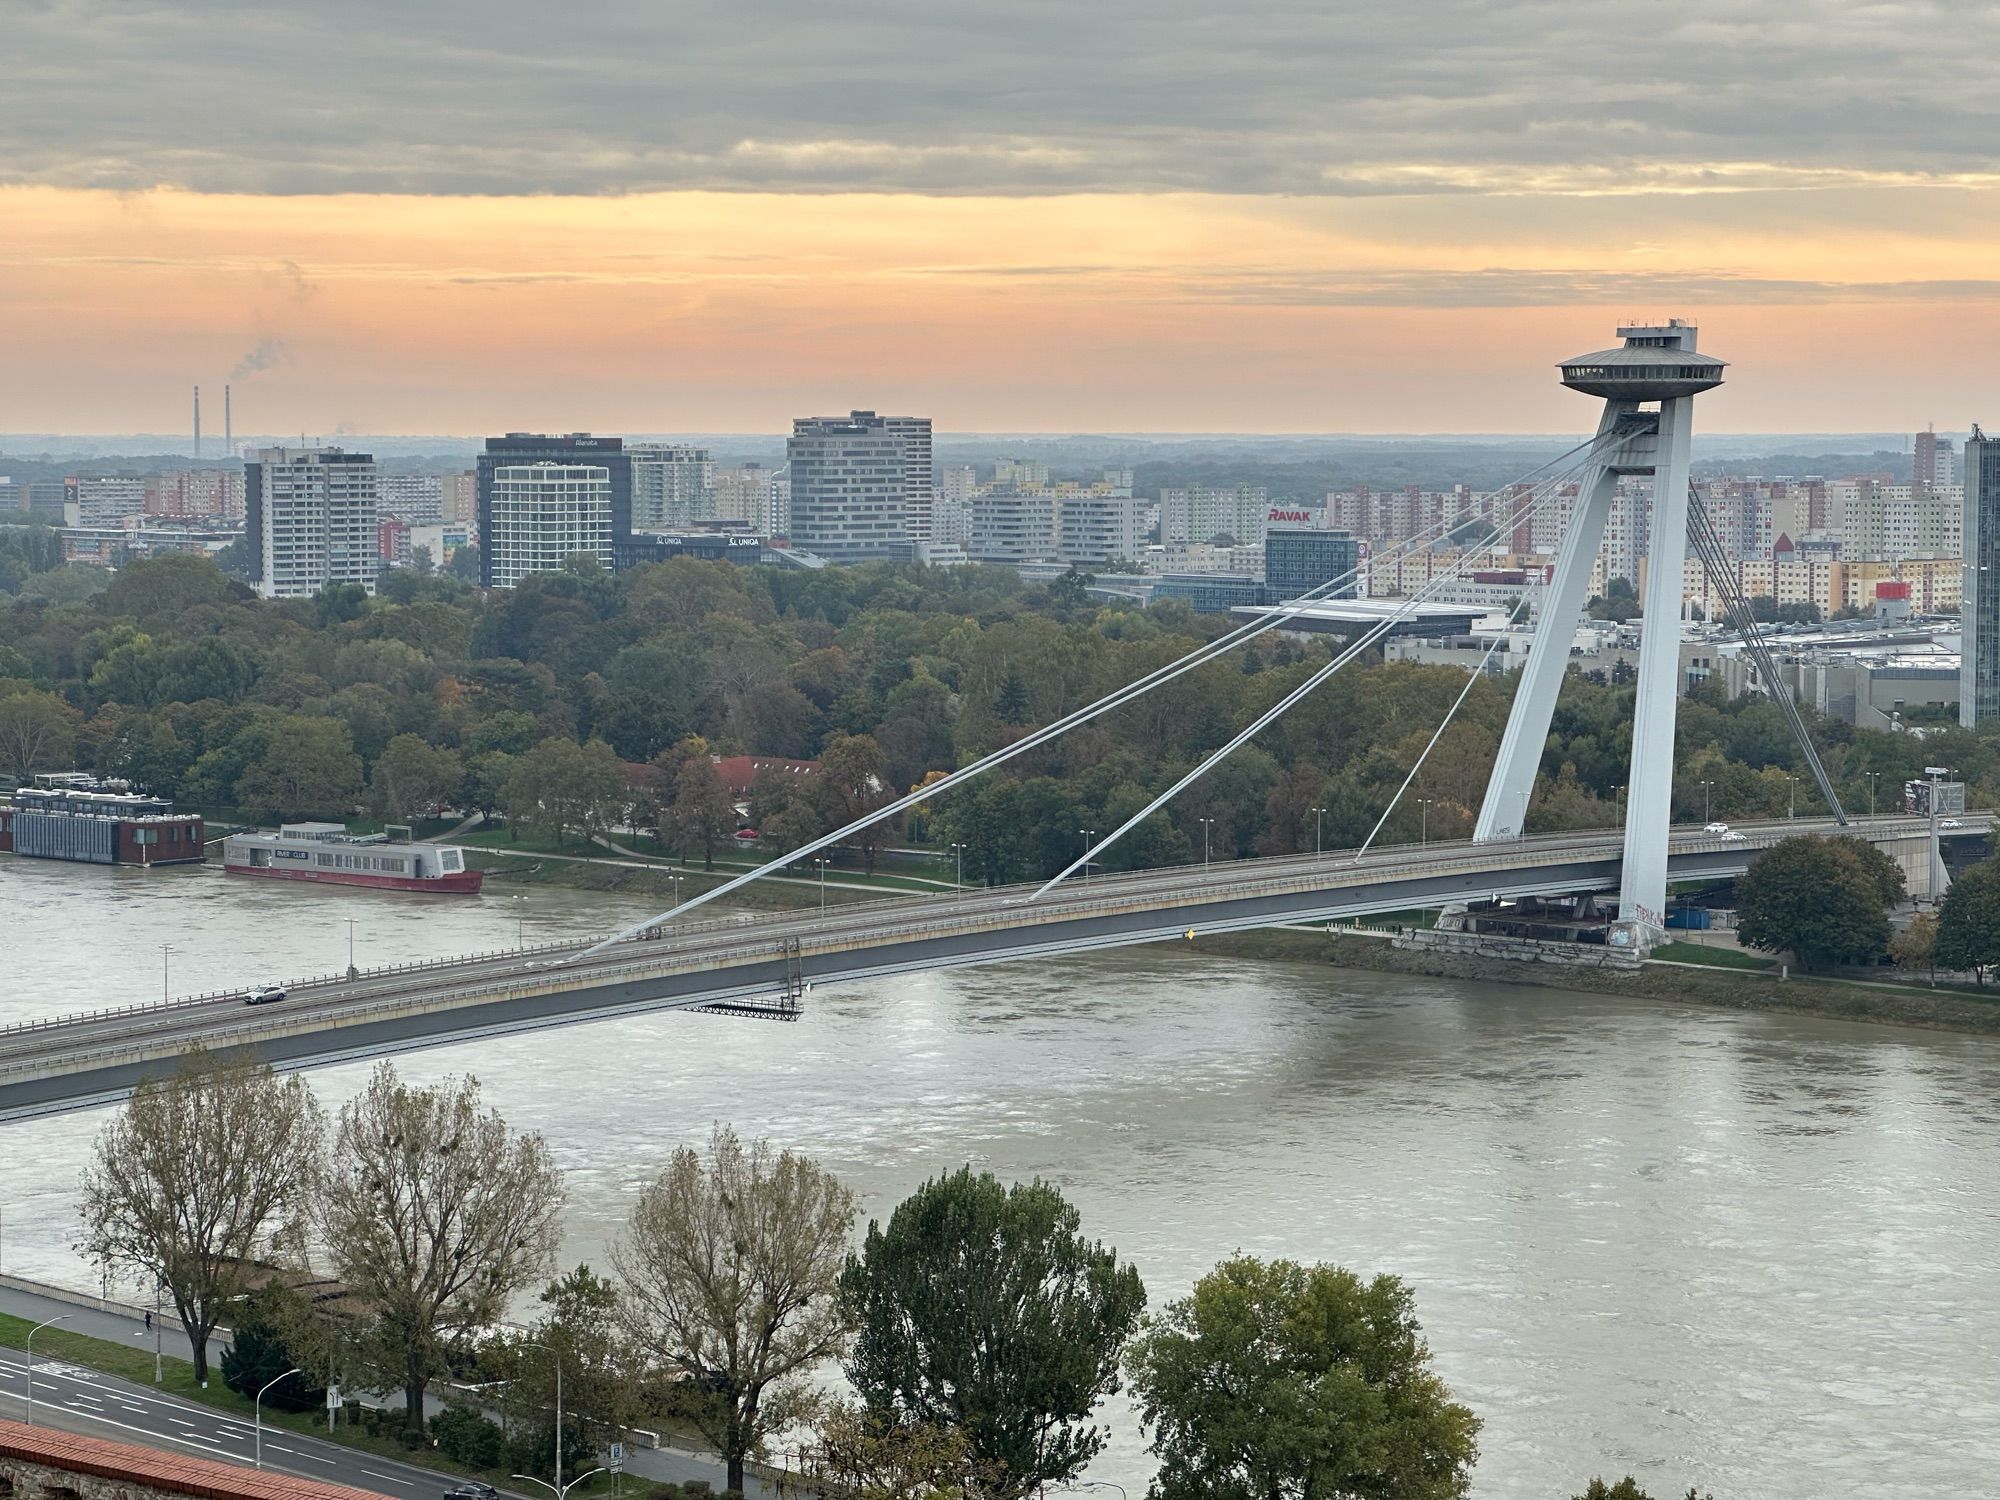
1718	829
265	994
1951	822
1730	836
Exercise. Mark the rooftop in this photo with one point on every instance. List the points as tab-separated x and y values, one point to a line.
172	1473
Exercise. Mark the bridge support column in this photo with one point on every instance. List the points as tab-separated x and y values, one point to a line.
1642	893
1512	782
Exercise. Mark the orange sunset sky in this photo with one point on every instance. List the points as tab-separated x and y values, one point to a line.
1010	218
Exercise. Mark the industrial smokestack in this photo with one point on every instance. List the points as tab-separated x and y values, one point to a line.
228	429
197	421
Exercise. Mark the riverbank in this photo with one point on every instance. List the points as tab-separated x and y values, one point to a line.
1729	989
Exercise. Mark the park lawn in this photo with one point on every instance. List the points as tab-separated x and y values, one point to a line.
135	1363
1714	958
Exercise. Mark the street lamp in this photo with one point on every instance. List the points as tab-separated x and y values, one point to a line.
1707	801
1424	821
1088	835
822	884
1319	814
520	920
1795	795
1207	827
351	970
165	993
959	849
1873	777
257	1410
558	1489
31	1362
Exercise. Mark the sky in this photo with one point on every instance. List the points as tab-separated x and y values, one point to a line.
1274	216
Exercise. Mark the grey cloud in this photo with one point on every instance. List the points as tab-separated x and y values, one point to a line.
1267	96
270	350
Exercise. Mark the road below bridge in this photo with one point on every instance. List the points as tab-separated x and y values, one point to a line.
78	1061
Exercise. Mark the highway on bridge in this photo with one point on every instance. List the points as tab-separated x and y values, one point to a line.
78	1061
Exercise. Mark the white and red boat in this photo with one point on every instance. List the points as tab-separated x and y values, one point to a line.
328	853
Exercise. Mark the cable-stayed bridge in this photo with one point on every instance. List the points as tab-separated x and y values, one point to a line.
1647	388
74	1062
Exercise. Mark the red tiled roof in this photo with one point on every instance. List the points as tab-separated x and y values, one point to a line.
175	1473
738	771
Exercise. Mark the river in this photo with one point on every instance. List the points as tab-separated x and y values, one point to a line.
1751	1253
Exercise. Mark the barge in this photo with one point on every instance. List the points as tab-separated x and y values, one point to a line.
71	816
328	853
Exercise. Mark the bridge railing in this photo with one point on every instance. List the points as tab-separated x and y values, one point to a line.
1084	899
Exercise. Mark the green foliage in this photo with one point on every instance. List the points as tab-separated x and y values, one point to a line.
1968	928
465	1436
1625	1489
1276	1381
983	1309
1820	898
258	1354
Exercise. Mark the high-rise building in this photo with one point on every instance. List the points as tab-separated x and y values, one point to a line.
1979	593
534	515
97	500
196	492
415	499
310	519
1300	557
1934	464
1201	513
672	486
757	498
861	485
458	497
570	450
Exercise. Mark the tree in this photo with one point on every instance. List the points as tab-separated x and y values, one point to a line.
1968	931
579	1330
854	1454
559	785
703	814
1915	944
259	1353
434	1215
729	1268
1816	897
412	774
37	731
850	786
1625	1489
463	564
984	1310
192	1179
307	765
1276	1381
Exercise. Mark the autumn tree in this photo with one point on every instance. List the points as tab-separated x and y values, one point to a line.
434	1214
703	814
194	1177
307	765
853	1453
729	1267
851	785
1276	1381
984	1310
578	1329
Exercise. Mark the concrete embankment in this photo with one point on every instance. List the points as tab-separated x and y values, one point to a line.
1885	1004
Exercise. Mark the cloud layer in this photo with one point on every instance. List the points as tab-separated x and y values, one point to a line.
977	97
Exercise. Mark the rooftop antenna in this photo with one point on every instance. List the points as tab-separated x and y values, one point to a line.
197	421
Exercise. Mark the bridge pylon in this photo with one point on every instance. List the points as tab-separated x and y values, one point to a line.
1648	388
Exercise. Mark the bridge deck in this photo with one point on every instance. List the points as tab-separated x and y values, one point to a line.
72	1062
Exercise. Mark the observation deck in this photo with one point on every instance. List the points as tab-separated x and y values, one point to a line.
1657	363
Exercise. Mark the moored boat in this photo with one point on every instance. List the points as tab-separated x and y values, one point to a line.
328	853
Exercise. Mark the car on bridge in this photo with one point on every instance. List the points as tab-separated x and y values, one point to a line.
1718	829
265	994
1951	822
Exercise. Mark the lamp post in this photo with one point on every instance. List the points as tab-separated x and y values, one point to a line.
1707	801
676	879
257	1410
822	884
1873	777
558	1489
959	850
1088	835
1207	827
1319	816
351	970
165	949
520	920
159	1334
1424	821
31	1362
1795	796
